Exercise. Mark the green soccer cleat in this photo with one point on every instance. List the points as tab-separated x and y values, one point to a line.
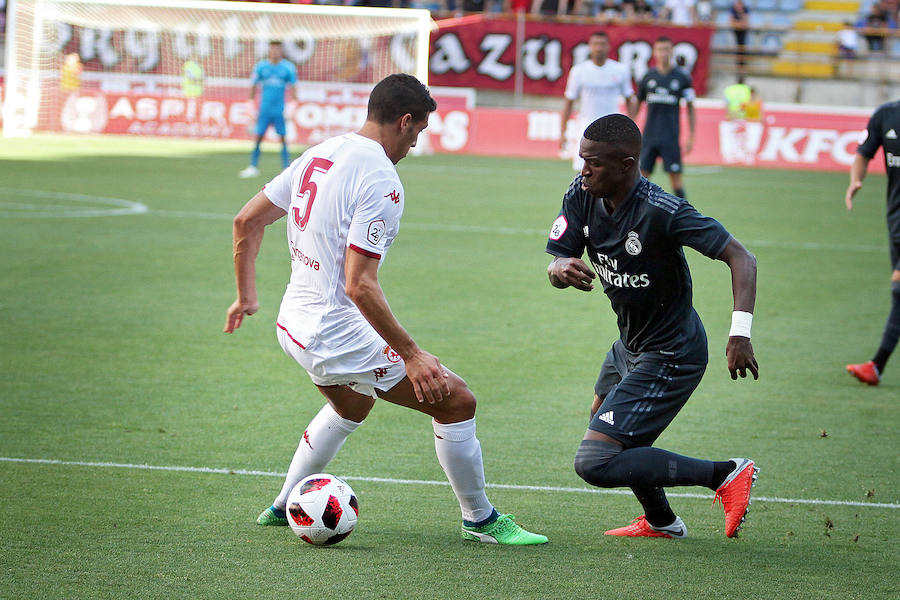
270	517
503	530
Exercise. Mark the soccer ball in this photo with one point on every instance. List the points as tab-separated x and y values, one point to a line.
322	509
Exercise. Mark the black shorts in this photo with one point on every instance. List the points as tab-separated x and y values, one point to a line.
669	151
641	393
895	254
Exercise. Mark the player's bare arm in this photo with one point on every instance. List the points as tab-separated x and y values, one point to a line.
248	229
632	106
857	174
566	113
574	272
428	377
692	127
739	351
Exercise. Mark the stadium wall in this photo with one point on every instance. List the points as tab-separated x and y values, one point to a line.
789	136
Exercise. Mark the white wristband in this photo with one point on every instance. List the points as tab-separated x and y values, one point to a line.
740	324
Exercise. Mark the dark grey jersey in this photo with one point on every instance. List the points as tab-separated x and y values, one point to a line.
637	254
884	130
663	94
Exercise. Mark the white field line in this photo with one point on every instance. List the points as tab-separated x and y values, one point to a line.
450	228
389	480
120	207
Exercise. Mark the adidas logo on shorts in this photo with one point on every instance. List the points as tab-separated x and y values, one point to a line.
607	417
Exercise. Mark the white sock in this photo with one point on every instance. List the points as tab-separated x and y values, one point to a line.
320	443
459	452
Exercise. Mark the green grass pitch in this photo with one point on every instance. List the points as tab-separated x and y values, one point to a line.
112	352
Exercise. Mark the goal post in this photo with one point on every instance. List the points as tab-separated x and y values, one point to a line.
68	62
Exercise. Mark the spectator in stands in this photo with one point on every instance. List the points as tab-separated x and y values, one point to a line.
637	10
848	41
549	7
680	12
705	11
516	6
609	11
879	17
740	20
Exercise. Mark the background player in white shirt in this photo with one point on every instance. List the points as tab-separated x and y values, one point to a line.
344	201
597	84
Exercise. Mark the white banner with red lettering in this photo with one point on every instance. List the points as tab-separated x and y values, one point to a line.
480	52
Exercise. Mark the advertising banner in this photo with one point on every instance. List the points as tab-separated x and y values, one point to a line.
480	52
788	136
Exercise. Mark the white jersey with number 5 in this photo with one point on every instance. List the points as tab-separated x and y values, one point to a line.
343	193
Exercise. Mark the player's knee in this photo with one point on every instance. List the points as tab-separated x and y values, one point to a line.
591	460
595	405
460	406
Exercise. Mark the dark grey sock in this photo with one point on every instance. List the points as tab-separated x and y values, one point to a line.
891	330
656	505
652	467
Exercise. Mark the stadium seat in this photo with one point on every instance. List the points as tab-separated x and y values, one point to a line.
723	19
790	6
757	20
766	5
722	5
770	43
722	39
781	20
894	48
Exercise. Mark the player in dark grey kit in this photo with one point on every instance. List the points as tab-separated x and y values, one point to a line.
633	233
663	88
883	130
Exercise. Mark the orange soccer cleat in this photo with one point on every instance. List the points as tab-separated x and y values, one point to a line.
641	528
866	372
734	494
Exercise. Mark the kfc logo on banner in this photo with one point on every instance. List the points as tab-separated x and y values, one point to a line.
753	143
376	230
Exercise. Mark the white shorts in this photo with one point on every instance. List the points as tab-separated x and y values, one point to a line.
362	360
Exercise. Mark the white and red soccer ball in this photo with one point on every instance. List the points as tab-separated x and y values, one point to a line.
322	509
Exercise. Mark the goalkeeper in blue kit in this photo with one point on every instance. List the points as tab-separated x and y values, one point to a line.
273	75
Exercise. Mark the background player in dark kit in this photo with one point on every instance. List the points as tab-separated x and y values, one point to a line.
633	233
662	88
883	130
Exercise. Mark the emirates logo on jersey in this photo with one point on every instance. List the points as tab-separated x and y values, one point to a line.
393	196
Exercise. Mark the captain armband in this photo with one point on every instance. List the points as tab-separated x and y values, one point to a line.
740	324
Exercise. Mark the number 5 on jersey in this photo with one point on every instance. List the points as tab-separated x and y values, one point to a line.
307	190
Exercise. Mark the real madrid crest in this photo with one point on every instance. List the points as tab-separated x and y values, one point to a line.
633	244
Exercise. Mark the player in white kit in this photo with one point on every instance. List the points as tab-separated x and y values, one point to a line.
597	84
344	200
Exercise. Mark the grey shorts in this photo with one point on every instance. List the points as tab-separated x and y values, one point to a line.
641	393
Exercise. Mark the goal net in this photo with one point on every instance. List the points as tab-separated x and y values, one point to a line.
183	67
